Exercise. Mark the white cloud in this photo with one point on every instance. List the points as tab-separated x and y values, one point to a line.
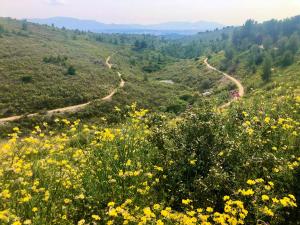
56	2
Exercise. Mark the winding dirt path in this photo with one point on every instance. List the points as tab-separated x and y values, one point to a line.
108	64
234	80
74	108
121	85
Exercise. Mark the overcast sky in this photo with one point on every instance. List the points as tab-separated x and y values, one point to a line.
228	12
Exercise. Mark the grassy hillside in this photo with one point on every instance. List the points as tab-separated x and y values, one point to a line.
282	78
29	84
34	71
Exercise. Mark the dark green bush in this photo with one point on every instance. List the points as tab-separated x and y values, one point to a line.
71	70
60	60
287	58
26	79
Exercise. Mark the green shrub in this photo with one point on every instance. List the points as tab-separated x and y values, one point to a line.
2	30
205	84
24	25
60	60
151	68
287	58
26	79
71	70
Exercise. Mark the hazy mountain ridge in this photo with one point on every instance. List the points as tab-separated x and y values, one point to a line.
163	28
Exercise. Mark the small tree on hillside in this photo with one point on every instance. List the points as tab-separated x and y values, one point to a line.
287	59
267	43
139	45
71	70
24	25
293	43
146	77
229	53
1	29
267	69
205	84
26	79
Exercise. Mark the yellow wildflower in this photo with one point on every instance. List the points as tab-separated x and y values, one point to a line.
156	206
113	213
226	197
250	131
259	180
265	197
267	211
158	168
267	120
96	217
67	201
81	196
128	163
147	211
5	194
275	200
81	222
159	222
209	209
111	204
193	162
186	201
246	192
47	195
4	215
267	187
251	182
17	223
110	222
164	213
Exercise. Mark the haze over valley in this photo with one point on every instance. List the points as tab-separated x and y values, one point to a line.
157	29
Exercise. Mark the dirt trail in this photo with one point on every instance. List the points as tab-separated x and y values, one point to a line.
74	108
234	80
122	84
107	62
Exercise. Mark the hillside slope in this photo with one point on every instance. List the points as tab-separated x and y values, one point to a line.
44	68
34	66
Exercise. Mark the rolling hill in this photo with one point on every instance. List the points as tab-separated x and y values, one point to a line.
157	29
45	68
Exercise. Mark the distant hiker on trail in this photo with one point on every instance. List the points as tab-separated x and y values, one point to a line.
235	94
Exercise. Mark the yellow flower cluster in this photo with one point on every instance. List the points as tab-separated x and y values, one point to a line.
94	175
234	213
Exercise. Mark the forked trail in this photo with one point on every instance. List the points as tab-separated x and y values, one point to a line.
74	108
234	80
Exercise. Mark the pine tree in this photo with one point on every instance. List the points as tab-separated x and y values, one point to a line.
1	29
71	70
267	69
287	59
24	25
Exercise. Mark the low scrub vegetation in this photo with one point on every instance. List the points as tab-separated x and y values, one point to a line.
239	167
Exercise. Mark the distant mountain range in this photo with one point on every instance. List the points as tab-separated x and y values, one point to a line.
156	29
